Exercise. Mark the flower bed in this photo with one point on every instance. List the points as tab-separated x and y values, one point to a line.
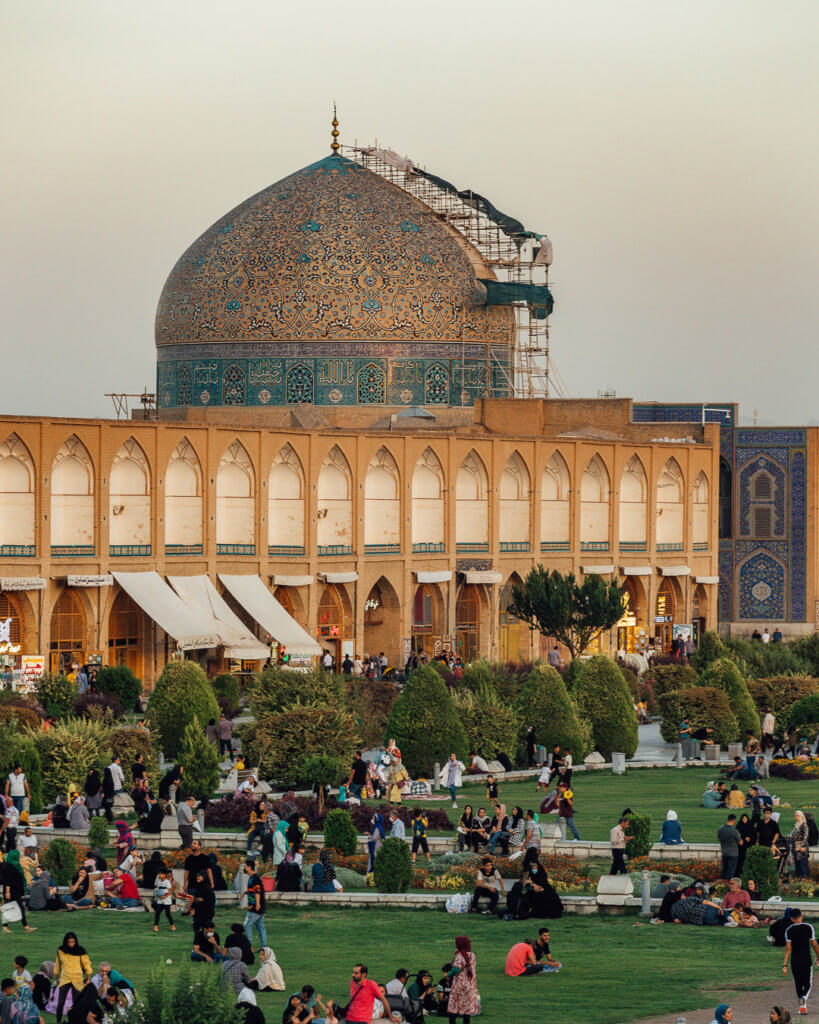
800	768
232	811
700	871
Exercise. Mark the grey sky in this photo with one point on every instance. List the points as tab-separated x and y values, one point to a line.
669	151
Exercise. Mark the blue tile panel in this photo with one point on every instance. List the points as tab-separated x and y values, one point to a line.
716	413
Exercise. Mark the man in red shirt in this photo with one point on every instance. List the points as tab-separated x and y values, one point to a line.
520	960
736	896
124	892
363	994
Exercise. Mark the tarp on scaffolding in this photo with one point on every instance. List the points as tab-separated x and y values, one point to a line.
538	296
509	225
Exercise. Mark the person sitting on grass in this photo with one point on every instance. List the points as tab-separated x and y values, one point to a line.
246	1002
269	977
736	896
542	948
521	961
671	834
123	891
206	947
422	990
234	972
77	898
735	798
237	938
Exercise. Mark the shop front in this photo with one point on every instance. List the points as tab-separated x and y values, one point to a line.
632	634
68	634
333	623
513	635
664	615
11	634
427	634
468	623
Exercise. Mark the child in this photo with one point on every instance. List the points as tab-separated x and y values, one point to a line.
6	998
21	976
545	776
420	824
163	899
492	791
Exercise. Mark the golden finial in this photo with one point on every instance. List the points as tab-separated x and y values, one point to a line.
334	144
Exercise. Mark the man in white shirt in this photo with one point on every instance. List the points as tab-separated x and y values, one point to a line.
11	819
17	787
327	661
28	842
766	636
768	725
398	830
398	985
116	774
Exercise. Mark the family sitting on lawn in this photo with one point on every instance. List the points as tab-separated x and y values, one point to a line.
698	906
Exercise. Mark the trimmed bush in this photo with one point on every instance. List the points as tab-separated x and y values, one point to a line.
182	692
490	725
120	682
98	837
780	693
69	750
281	741
724	675
371	702
60	858
199	760
340	832
544	703
393	866
425	724
709	649
805	713
761	866
278	689
639	828
665	678
19	715
760	661
705	707
56	693
226	688
18	747
101	707
130	740
601	695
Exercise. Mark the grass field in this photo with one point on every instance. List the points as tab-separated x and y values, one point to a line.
615	970
600	797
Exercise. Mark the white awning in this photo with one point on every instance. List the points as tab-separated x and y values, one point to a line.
256	599
105	580
291	581
23	582
636	570
157	600
706	579
675	570
200	595
596	570
338	577
482	576
433	577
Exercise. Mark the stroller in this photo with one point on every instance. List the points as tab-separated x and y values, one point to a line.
784	856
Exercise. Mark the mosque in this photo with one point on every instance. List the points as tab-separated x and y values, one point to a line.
354	449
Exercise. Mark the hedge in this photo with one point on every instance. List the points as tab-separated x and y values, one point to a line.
98	838
761	866
130	740
56	693
340	832
723	674
120	682
98	706
393	866
67	752
665	678
60	859
490	725
709	649
277	689
226	688
181	692
601	695
425	724
805	712
544	703
371	701
639	828
704	706
780	693
18	747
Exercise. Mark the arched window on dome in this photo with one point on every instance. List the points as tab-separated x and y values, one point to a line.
670	505
554	505
471	505
285	504
16	498
298	385
184	515
235	503
428	503
633	507
701	510
514	504
372	385
595	492
382	504
334	513
130	500
72	497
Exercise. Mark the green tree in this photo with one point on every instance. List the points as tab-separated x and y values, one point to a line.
704	707
602	695
60	858
393	866
761	866
199	760
491	725
226	688
321	771
709	648
424	723
120	682
724	675
340	832
68	751
558	607
56	693
98	837
277	689
17	746
544	703
181	692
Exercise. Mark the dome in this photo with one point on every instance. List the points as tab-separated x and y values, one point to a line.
332	286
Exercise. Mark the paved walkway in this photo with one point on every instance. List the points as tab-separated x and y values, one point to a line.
651	746
750	1006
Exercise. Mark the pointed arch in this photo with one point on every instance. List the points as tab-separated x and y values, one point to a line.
700	511
633	503
595	494
285	504
72	496
515	487
555	488
335	515
17	476
382	621
670	506
513	636
130	497
235	501
382	504
428	496
471	505
184	513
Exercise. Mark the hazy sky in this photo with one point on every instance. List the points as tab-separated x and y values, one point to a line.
669	151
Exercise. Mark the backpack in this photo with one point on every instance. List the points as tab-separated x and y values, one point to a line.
813	830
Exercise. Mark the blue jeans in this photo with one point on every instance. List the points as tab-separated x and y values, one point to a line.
453	792
355	790
570	825
502	837
254	920
84	902
18	802
120	902
197	958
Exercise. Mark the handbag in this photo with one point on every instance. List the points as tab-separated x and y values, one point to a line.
10	913
344	1012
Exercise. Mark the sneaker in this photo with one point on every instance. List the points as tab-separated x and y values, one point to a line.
487	913
770	938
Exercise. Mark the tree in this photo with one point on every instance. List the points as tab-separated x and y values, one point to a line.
181	692
424	723
393	866
120	682
321	771
704	707
57	693
558	607
491	725
724	675
709	648
544	703
199	760
602	695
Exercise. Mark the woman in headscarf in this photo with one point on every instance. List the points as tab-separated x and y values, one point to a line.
125	841
151	868
747	834
671	897
801	847
293	833
204	901
59	813
92	788
279	842
323	874
464	829
671	834
288	874
13	887
41	984
234	971
238	938
219	883
375	839
171	778
246	1001
463	997
723	1014
72	968
23	1010
270	977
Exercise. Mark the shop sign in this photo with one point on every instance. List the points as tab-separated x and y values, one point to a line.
6	646
90	581
31	668
23	583
685	632
663	618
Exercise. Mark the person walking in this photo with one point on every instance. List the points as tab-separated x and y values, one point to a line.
451	773
768	726
184	819
225	730
729	842
565	809
618	839
255	904
464	1000
72	971
800	940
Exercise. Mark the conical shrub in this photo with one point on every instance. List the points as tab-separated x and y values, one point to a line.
602	696
424	723
543	702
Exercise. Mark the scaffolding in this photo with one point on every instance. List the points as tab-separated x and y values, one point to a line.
521	258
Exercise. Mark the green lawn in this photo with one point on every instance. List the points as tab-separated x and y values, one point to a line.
611	965
600	797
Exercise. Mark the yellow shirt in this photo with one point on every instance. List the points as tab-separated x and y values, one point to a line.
735	799
71	968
